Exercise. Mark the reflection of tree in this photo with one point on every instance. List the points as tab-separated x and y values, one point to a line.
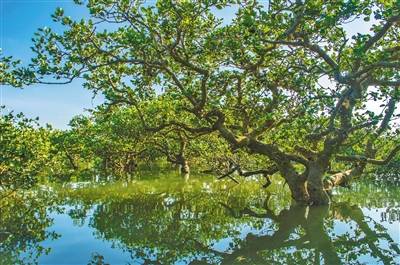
23	224
369	235
165	228
304	230
97	259
189	226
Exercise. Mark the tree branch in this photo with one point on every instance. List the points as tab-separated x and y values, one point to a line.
358	158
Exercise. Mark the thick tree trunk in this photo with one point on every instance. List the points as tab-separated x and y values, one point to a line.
296	182
298	189
315	185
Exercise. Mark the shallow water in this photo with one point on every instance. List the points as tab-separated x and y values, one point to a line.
203	221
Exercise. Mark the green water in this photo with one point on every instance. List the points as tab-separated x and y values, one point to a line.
203	221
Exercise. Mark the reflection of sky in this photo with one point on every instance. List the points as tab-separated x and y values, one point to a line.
56	104
77	243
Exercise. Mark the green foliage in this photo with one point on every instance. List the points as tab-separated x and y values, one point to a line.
283	80
24	149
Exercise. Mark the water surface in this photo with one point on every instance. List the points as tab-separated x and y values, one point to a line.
203	221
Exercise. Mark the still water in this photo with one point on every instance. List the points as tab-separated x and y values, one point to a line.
202	221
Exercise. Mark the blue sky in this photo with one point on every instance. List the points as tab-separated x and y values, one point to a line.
57	104
53	104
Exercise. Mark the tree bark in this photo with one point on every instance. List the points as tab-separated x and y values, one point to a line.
184	167
296	182
298	189
315	185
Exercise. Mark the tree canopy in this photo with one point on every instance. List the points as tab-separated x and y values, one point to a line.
283	79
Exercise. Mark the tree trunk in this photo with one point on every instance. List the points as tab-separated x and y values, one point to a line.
184	167
296	182
297	186
71	160
315	185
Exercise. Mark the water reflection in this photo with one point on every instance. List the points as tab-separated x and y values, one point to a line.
161	222
308	235
97	259
209	227
23	227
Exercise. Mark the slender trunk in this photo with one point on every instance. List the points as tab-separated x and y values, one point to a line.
183	165
184	168
186	177
71	160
